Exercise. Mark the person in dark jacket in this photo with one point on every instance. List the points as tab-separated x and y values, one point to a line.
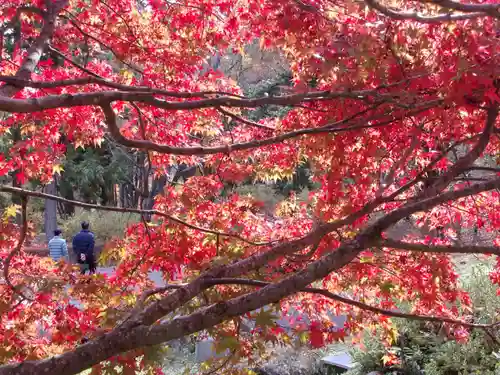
83	246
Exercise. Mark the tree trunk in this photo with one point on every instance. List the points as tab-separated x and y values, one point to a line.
156	188
66	191
50	212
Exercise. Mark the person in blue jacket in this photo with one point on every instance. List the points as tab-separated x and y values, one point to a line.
83	246
57	247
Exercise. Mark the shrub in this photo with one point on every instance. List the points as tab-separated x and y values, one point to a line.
422	350
105	225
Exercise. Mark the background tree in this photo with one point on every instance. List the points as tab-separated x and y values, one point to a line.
381	97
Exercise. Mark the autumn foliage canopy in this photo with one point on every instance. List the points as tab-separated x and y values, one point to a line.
393	106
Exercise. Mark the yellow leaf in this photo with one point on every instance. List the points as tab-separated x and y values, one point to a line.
393	335
10	211
97	142
386	359
79	144
28	128
58	168
127	75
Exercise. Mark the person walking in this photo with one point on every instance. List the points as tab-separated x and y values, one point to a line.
57	247
83	246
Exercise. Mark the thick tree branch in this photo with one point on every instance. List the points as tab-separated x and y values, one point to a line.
94	79
418	247
221	95
169	303
314	271
415	16
492	9
104	98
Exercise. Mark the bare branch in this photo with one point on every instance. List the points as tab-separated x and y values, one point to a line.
104	98
392	173
55	51
101	43
242	120
485	169
396	314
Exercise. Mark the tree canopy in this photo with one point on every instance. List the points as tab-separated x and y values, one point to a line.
392	106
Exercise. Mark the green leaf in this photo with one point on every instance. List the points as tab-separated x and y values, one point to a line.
387	286
228	342
304	337
265	319
366	259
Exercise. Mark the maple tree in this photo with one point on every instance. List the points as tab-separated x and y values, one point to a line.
405	104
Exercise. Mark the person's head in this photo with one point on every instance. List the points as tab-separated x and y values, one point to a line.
85	225
57	232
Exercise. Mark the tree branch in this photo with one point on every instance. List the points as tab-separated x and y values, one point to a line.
428	203
415	16
422	173
149	96
242	120
339	298
491	9
101	43
24	192
138	332
98	80
114	130
392	173
56	52
466	161
35	51
485	169
17	249
418	247
158	309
